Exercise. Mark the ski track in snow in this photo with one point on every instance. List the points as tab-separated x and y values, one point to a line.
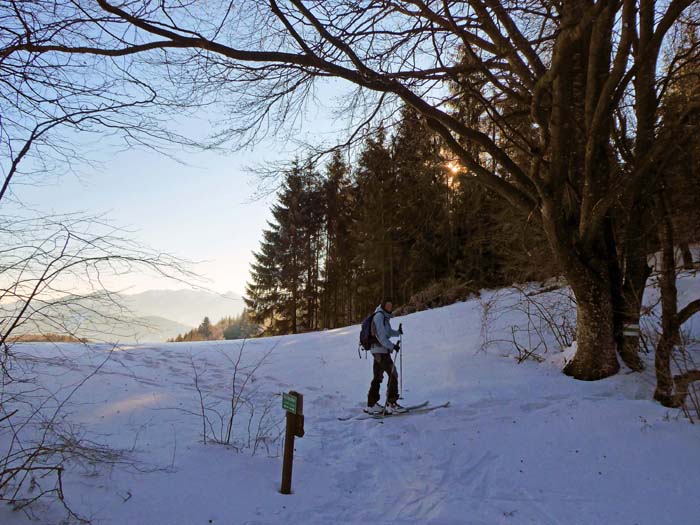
519	444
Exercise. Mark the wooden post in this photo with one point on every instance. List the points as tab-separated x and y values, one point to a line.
293	403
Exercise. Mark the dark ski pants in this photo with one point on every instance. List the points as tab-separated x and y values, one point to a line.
383	363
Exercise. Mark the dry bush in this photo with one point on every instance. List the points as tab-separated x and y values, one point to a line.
37	441
245	403
44	260
686	359
545	320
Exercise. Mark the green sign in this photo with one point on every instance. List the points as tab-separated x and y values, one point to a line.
289	403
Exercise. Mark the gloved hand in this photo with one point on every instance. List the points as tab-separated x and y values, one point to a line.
400	328
397	346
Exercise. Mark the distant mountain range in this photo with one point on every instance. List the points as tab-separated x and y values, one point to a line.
187	307
153	316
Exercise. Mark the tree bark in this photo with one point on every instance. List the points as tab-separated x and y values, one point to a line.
687	256
669	308
664	380
627	290
637	271
596	356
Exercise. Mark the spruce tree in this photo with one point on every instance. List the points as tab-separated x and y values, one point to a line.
204	329
338	278
263	293
376	203
283	294
421	217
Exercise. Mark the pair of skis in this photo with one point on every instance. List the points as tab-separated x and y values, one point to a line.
420	408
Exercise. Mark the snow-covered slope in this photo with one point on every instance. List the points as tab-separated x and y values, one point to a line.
520	443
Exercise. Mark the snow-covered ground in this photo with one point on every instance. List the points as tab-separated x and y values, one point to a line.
519	443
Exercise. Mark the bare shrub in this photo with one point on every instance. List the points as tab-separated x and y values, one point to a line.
686	380
36	442
488	311
53	272
545	320
681	373
684	359
243	402
551	314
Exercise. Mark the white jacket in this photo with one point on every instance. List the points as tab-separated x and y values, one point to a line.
382	330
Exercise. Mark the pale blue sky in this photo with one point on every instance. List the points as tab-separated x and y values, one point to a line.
202	210
199	211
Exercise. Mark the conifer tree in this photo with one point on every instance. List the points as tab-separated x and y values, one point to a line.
283	294
338	278
421	205
312	214
204	329
374	231
263	294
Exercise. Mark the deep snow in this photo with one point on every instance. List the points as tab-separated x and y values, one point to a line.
520	443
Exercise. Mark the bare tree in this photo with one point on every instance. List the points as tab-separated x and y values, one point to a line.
583	75
676	167
671	390
54	273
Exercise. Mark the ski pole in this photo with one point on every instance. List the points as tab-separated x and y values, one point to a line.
393	371
400	366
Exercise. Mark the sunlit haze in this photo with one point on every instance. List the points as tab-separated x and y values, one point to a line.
205	207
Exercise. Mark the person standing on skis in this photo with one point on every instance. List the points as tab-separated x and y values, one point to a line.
381	352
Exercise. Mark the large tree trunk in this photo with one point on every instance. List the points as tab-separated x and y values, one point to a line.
589	274
576	174
596	356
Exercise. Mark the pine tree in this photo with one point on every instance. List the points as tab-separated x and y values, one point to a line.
263	292
376	203
283	294
492	243
421	217
204	329
338	278
240	327
313	210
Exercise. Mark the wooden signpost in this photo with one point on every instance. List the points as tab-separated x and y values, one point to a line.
293	403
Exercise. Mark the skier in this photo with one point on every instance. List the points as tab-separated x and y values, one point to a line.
381	352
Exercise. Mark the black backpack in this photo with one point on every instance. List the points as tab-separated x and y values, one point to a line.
367	338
